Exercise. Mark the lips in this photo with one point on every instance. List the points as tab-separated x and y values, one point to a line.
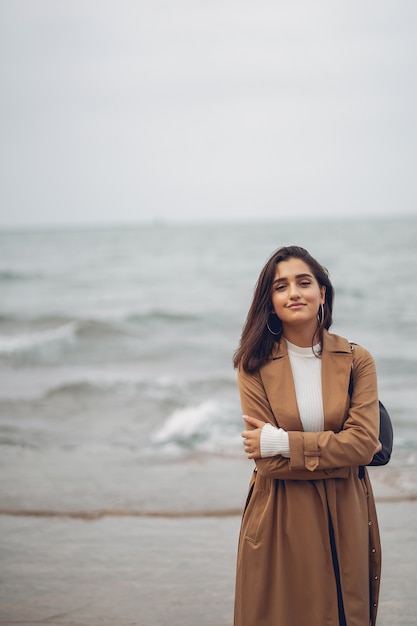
299	305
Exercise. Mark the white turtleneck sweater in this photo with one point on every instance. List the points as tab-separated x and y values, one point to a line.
306	371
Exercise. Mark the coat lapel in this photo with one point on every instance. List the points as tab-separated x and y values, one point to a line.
337	358
279	386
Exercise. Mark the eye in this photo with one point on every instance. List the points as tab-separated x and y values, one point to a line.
305	283
280	287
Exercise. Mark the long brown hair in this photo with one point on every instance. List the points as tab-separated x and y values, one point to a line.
257	341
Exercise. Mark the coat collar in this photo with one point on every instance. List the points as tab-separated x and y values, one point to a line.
331	343
335	373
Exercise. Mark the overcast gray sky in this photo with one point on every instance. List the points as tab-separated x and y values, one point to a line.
206	109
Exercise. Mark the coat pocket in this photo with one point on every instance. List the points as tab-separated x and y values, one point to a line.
254	513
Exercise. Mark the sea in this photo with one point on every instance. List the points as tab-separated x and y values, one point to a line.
117	388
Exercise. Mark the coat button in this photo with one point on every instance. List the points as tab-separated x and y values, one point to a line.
369	523
374	604
373	550
375	577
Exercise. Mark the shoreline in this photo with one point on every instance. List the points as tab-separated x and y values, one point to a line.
191	486
167	514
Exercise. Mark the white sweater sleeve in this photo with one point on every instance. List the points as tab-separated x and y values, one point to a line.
274	441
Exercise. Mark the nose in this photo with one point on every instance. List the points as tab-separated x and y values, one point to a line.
293	291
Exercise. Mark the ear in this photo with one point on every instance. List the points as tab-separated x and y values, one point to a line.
322	293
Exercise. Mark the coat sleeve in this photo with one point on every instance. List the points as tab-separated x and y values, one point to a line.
355	444
254	402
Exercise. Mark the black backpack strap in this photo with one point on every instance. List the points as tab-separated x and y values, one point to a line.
361	468
350	388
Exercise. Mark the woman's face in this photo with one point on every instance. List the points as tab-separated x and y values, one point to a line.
296	295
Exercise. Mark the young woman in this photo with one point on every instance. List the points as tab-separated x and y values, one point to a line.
309	549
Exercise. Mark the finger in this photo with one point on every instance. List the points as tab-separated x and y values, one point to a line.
249	434
253	421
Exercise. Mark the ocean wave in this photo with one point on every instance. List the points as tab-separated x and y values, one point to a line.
76	389
210	426
118	388
104	329
120	384
29	341
40	322
158	315
20	335
7	275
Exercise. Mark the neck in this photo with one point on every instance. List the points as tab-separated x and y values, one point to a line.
301	337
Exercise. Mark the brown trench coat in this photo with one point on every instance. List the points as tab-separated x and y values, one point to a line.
297	509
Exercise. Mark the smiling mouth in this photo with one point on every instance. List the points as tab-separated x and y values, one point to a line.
296	306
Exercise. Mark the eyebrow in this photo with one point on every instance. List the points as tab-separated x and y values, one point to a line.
298	276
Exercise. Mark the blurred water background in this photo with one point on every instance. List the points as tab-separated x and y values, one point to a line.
117	390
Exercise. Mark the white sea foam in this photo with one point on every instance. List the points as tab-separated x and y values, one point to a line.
210	426
26	342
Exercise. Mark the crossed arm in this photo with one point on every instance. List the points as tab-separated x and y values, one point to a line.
321	454
252	438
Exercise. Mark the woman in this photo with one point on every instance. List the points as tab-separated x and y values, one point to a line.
309	550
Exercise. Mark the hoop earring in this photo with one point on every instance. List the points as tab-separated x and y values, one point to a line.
268	327
320	314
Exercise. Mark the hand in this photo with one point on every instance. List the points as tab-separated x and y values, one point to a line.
252	437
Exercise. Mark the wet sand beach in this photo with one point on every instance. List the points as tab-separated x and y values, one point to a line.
162	568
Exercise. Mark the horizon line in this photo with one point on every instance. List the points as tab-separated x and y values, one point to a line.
163	221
